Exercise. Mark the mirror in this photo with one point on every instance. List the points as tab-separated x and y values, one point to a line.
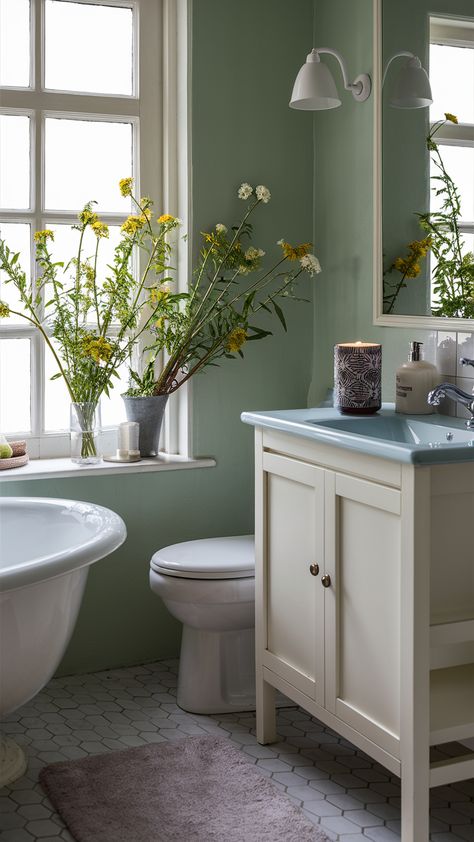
424	163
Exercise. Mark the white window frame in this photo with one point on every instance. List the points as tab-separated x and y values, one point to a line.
158	111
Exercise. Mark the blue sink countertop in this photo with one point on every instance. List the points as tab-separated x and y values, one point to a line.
419	439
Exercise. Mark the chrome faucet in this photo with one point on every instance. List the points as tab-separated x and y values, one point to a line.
449	390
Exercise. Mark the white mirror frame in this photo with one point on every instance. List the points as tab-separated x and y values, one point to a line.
379	317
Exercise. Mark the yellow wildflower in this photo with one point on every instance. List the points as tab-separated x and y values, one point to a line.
420	248
126	185
89	274
100	229
133	224
236	339
145	200
42	236
451	117
157	294
97	347
4	310
295	252
88	217
211	238
160	323
145	216
410	268
166	217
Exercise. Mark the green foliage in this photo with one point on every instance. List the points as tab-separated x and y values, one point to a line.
89	323
453	272
92	325
229	291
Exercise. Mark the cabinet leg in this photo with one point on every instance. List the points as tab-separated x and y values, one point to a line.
415	811
265	712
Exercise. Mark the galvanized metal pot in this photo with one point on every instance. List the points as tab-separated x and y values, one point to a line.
148	411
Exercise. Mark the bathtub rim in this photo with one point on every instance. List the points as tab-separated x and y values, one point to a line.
99	545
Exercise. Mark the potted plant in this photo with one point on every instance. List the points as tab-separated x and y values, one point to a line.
217	315
89	323
92	324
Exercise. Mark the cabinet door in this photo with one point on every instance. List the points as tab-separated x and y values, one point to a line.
293	597
362	606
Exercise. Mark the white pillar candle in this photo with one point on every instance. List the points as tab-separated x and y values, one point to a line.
128	438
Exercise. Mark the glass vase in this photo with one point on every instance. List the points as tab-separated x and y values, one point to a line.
85	433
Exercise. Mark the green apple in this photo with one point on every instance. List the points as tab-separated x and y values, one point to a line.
5	451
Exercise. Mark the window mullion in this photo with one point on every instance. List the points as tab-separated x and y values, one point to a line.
37	385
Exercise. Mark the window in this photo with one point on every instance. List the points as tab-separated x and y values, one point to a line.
85	93
452	83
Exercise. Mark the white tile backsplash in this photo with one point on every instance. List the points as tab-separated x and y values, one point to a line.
467	385
465	349
446	353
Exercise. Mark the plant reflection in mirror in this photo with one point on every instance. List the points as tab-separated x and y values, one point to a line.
453	264
408	267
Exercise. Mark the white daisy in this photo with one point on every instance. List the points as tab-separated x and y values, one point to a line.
311	263
221	228
263	193
244	191
253	253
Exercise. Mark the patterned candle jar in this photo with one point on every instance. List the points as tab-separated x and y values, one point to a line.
357	377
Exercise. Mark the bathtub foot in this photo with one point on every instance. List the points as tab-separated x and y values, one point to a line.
12	761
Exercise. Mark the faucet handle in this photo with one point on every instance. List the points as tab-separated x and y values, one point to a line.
466	361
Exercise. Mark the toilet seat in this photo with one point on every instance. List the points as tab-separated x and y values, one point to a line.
209	558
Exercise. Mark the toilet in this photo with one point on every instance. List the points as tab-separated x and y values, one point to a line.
209	586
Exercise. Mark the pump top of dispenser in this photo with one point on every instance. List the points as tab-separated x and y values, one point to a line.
415	354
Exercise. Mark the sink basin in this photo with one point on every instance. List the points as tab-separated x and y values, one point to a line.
409	430
419	439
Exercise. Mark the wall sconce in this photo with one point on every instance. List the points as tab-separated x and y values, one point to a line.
315	89
412	87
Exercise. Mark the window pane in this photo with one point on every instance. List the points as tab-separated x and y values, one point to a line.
15	386
14	161
459	163
57	398
84	161
107	32
448	66
17	238
66	243
15	43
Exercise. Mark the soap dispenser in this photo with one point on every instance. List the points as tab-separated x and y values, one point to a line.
414	380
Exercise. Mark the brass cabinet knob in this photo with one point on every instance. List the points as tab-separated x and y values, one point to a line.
314	569
326	580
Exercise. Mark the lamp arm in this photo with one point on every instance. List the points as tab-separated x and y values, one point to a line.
396	55
349	86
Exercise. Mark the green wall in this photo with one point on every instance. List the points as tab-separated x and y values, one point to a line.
344	206
245	56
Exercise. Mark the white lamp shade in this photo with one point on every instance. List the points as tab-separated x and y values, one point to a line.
314	88
412	87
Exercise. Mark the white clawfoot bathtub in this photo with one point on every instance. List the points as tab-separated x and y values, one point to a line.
46	547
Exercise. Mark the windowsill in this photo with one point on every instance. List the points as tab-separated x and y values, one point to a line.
60	468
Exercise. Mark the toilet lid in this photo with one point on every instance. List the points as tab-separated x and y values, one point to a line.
210	558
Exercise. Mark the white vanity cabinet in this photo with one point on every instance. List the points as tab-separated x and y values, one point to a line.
365	604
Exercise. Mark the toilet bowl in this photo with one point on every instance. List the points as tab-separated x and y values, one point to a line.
209	586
